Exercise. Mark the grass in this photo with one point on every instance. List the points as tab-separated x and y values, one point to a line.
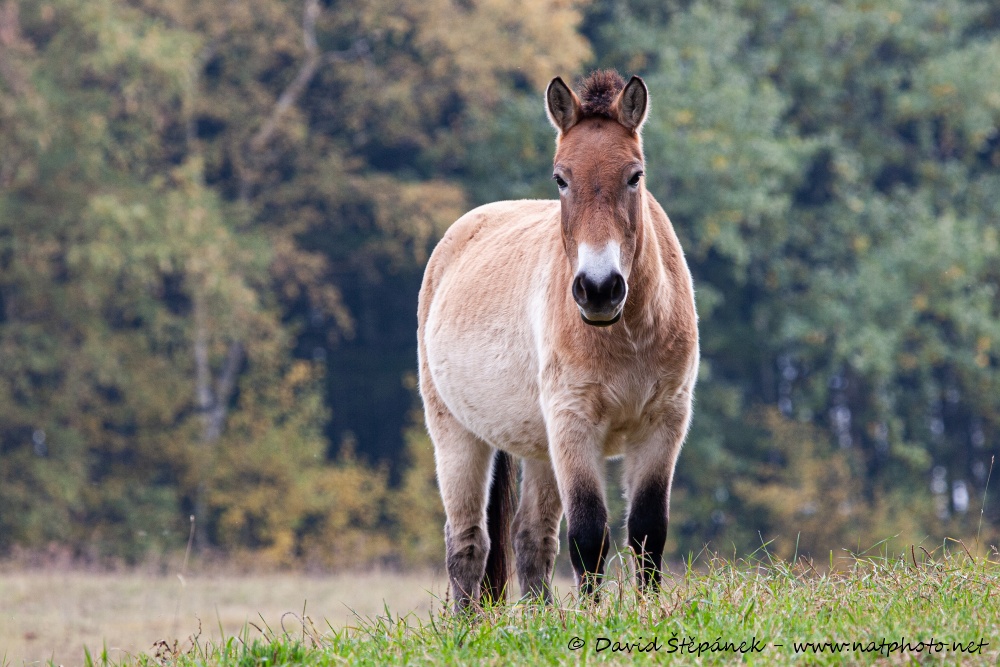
922	607
52	614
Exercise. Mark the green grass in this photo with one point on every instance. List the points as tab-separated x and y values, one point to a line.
943	603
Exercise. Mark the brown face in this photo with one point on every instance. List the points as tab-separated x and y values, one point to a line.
598	169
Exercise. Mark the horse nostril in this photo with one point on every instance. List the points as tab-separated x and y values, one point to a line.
579	290
617	289
609	292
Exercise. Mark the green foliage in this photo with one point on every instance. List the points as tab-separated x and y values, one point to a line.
127	282
213	218
890	331
88	342
805	486
415	508
836	202
512	155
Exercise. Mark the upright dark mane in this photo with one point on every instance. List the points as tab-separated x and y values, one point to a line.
598	92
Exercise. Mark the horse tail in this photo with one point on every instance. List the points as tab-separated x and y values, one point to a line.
499	510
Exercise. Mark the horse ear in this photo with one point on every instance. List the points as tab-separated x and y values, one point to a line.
561	105
632	104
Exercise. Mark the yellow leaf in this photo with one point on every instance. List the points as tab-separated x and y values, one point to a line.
943	90
684	117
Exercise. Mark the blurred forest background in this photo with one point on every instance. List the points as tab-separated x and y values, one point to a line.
214	218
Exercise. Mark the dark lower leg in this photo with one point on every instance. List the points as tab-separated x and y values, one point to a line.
589	539
536	557
647	532
466	562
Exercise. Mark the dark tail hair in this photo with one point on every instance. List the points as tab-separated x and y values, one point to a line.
499	511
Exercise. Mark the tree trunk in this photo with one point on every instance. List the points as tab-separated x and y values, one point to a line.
213	404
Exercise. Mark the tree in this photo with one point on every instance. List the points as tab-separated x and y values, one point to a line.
137	315
187	192
830	171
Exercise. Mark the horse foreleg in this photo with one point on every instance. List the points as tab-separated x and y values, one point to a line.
463	464
536	529
648	474
579	468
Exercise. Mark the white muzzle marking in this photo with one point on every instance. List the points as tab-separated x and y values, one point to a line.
599	264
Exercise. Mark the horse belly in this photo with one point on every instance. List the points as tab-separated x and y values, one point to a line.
491	390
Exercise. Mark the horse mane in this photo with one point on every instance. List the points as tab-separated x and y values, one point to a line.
598	92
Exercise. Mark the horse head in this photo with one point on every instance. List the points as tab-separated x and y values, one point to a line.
598	168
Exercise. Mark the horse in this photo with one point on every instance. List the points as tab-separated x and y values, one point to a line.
562	333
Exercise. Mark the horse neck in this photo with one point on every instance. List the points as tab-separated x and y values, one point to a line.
646	281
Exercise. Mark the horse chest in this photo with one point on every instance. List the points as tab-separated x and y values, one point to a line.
633	419
629	406
622	403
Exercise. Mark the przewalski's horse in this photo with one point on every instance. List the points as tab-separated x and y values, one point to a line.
561	332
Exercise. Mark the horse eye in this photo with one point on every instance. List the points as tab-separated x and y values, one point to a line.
559	181
634	181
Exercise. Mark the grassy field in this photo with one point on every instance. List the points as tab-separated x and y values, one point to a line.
53	614
920	609
915	608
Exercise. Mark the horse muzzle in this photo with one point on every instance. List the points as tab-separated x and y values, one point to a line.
601	323
601	301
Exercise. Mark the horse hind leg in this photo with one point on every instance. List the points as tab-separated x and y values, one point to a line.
463	464
536	529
